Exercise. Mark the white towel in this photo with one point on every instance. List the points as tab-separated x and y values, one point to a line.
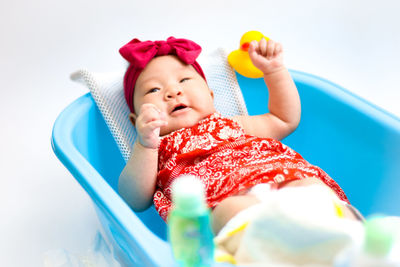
296	226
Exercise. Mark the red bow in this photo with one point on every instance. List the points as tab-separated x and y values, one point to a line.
140	53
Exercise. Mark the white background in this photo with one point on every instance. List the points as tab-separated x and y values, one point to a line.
354	43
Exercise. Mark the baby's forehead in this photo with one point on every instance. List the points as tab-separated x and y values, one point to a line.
163	65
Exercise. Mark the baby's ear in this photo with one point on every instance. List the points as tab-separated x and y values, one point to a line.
212	94
132	118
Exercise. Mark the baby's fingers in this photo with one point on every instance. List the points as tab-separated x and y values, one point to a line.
270	49
254	49
149	134
274	49
263	45
156	124
151	113
278	49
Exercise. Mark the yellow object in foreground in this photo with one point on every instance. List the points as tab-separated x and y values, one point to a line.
229	240
240	60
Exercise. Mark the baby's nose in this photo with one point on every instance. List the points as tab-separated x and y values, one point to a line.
173	92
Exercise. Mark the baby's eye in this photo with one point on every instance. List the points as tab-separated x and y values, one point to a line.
184	80
153	90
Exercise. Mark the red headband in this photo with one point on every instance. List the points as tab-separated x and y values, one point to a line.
139	54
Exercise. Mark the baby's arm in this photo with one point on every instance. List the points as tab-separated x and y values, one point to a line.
137	181
284	102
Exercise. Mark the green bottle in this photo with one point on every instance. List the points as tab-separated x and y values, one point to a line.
189	226
380	247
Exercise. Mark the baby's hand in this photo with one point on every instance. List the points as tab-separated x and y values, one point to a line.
267	56
148	125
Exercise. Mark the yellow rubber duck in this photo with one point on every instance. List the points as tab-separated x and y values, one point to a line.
240	60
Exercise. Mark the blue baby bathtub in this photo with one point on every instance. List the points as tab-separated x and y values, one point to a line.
355	142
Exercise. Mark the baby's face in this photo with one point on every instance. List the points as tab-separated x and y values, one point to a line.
175	89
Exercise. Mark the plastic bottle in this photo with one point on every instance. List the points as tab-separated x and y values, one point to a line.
189	227
380	247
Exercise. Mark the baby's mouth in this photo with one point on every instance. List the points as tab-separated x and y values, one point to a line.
179	107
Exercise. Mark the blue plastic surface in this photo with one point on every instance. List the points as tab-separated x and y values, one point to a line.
355	142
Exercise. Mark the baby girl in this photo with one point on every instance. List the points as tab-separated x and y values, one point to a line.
180	132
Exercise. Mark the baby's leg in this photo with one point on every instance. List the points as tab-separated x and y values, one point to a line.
229	207
348	212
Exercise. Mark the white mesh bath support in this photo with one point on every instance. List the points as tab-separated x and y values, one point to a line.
107	91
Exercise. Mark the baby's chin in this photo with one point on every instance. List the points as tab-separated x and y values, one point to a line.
167	130
181	123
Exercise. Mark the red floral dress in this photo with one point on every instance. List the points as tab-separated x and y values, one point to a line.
227	161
